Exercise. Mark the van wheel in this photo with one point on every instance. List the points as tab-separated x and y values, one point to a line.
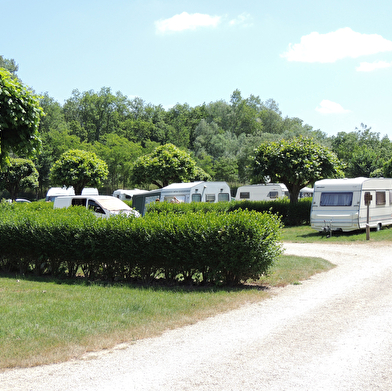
379	226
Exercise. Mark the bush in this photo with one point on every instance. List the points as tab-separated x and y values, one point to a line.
194	247
291	214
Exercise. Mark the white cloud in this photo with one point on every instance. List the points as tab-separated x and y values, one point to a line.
372	66
243	19
186	21
330	47
329	107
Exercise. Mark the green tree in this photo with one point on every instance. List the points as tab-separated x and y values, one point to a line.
79	169
165	165
296	163
19	174
119	153
10	65
20	114
363	152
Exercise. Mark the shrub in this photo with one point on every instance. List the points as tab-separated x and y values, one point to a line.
195	247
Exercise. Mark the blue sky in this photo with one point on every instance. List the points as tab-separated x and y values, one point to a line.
326	62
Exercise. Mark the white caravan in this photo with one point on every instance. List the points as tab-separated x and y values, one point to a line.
126	195
339	204
262	192
102	206
55	192
196	192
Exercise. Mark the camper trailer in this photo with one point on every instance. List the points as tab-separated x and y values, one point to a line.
102	206
196	192
126	195
262	192
340	204
55	192
183	192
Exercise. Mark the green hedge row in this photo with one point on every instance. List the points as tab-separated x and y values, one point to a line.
197	247
291	214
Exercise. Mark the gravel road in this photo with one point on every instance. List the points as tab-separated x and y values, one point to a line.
332	332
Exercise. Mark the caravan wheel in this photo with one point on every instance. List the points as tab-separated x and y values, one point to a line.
379	226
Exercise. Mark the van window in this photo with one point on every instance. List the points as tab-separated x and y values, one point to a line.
196	197
380	198
95	207
79	201
223	197
210	197
244	195
273	194
336	199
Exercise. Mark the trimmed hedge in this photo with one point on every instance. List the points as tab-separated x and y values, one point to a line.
193	247
291	214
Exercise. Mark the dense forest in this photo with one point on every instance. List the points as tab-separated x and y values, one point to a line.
220	136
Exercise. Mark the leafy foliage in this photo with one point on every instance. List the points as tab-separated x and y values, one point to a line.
197	247
18	174
165	165
79	169
20	114
296	163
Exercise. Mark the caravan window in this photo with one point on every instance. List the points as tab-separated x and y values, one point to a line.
380	198
336	199
223	197
210	197
196	197
390	197
273	194
244	195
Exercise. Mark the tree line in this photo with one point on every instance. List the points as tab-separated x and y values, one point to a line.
219	137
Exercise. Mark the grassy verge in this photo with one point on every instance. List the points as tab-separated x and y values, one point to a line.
46	321
308	235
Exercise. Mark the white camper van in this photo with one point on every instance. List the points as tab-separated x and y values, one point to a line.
126	195
102	206
196	192
262	192
339	204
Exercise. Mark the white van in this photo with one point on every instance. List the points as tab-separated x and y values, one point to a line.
339	204
102	206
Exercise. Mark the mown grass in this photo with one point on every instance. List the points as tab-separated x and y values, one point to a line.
45	321
308	235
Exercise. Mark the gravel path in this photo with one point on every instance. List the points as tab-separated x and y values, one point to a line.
332	332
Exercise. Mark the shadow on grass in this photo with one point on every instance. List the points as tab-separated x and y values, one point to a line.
156	286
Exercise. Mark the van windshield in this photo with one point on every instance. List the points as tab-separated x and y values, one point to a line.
336	199
113	204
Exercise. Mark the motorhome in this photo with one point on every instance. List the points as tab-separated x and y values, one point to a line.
126	195
102	206
262	192
340	204
200	191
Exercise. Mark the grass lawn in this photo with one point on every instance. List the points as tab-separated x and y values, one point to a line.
308	235
45	321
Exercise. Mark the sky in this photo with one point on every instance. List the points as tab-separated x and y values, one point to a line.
328	63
